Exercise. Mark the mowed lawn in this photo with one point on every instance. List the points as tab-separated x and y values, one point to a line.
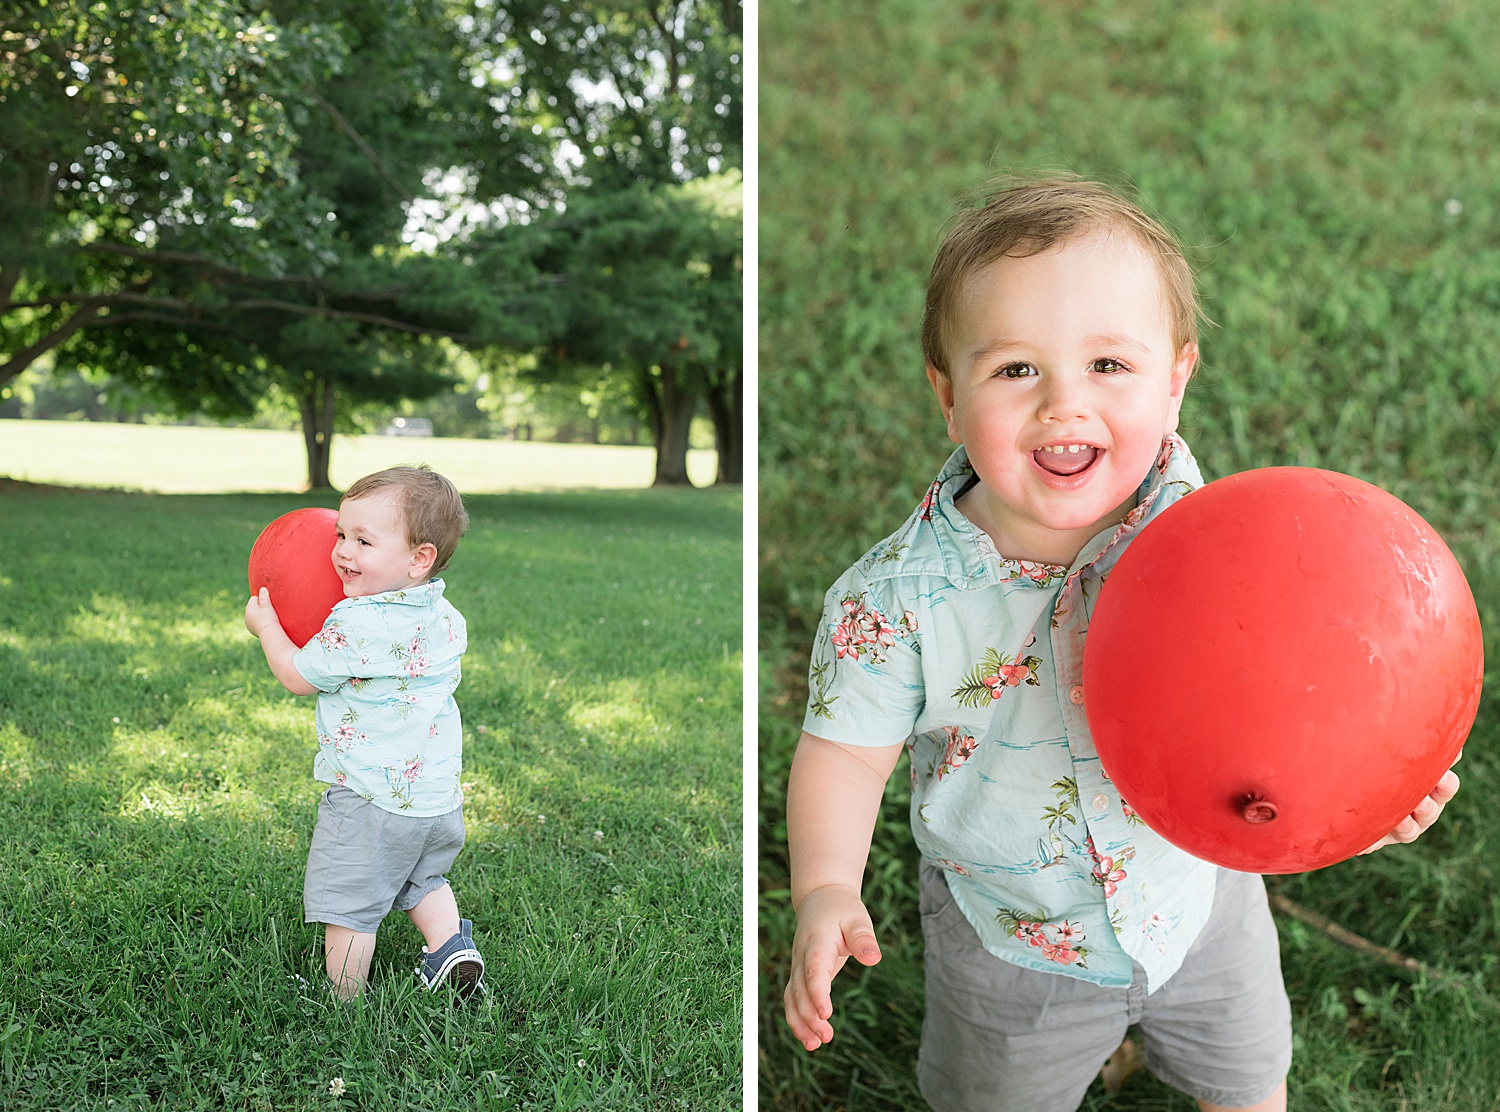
157	803
180	459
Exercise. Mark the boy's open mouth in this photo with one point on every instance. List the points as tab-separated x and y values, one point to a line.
1065	459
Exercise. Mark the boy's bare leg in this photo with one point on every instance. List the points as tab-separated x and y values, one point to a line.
347	956
436	917
1276	1102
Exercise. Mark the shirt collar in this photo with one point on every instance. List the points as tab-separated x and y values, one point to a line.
970	559
423	594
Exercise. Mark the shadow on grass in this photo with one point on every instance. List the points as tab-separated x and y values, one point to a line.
161	801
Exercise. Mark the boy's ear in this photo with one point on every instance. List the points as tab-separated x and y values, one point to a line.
1182	371
942	386
422	559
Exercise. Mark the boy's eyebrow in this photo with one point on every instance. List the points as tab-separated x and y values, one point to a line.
1102	340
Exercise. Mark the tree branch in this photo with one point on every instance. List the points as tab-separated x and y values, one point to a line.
359	141
32	352
1348	938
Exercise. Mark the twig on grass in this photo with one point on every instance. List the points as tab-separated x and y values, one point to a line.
1348	938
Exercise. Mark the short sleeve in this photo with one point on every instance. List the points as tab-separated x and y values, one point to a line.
329	660
865	680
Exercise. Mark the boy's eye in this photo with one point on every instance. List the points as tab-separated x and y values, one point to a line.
1017	370
1108	366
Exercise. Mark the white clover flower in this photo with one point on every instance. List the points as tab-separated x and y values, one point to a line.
336	1087
598	835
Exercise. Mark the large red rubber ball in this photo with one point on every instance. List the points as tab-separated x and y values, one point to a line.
1279	668
293	556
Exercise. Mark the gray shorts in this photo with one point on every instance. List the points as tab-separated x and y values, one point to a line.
365	861
999	1038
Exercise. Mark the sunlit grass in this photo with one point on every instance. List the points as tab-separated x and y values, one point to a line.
158	801
191	460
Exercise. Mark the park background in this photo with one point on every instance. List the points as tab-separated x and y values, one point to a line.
237	242
1333	168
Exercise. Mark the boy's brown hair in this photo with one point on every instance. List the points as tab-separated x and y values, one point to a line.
430	506
1019	217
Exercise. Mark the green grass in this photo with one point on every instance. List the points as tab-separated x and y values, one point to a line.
1308	154
172	459
158	801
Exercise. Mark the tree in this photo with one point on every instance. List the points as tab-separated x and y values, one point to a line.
207	202
649	281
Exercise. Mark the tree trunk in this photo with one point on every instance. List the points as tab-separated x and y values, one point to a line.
726	405
671	408
317	432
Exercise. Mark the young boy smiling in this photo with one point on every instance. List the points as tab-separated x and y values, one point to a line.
384	667
1059	336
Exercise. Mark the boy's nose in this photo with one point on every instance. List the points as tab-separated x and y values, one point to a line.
1063	399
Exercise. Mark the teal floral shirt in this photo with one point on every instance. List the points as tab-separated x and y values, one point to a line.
386	667
975	661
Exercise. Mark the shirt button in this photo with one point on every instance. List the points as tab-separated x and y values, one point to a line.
1100	801
1076	696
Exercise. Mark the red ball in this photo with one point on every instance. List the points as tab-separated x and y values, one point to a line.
1280	667
293	556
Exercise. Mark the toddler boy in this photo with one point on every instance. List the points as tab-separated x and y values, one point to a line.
1059	336
384	668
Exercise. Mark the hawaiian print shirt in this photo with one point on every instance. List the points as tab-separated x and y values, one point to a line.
975	661
386	667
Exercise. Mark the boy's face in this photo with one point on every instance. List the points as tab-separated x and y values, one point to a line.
372	555
1064	381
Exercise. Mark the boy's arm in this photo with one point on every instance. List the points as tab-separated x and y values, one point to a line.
261	619
833	797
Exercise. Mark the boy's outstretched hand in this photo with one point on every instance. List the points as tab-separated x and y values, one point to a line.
1426	813
833	925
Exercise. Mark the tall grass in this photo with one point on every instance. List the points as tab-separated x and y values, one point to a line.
157	802
1333	169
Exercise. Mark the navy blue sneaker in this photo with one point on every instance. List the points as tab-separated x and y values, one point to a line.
456	964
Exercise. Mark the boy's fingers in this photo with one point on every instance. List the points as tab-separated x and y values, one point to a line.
1446	788
862	945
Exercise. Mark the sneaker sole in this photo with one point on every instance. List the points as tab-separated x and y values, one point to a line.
461	972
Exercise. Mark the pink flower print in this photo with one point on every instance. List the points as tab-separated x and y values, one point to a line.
416	666
853	604
332	638
960	748
1014	674
1031	933
1108	875
924	511
845	640
1061	954
413	769
432	731
341	778
1069	932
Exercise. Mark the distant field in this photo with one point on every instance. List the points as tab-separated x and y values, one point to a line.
191	460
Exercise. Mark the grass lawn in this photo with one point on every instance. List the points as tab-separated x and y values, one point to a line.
173	459
1333	169
158	803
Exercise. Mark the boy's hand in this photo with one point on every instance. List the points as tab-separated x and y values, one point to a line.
260	614
1425	815
832	926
